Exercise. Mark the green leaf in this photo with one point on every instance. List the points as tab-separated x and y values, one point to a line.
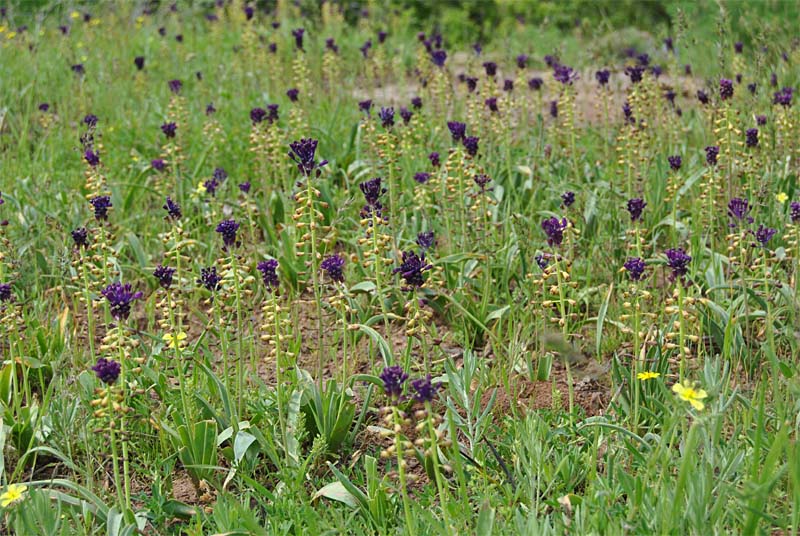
336	491
364	286
601	318
498	313
380	342
241	444
485	524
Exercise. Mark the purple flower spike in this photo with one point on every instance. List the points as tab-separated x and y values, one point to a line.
169	129
81	237
635	207
412	269
675	162
751	137
107	370
120	298
101	204
298	38
426	240
568	198
227	229
424	390
333	266
209	279
712	152
175	86
471	145
164	275
386	115
457	130
764	235
678	261
303	153
635	268
554	229
602	77
173	209
92	158
725	89
269	274
393	379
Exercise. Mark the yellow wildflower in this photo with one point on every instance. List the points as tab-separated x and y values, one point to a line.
74	15
781	197
649	375
688	393
171	339
13	493
201	188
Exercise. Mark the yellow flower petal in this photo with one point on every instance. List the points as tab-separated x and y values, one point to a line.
648	375
781	197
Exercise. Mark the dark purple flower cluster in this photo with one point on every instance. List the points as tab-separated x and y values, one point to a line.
101	204
751	137
303	153
393	379
471	145
406	114
386	115
298	37
457	130
120	298
738	47
635	267
508	85
333	266
169	129
257	115
739	211
678	261
602	76
209	279
564	74
228	229
139	62
365	48
158	164
5	292
107	370
416	102
554	230
91	157
522	61
794	211
535	83
764	235
761	120
751	87
439	57
783	97
372	190
635	73
482	180
330	44
365	106
412	269
491	104
424	389
702	96
269	274
293	93
175	86
554	109
725	89
434	158
490	67
164	275
173	209
568	198
712	152
211	186
422	177
245	187
426	240
635	208
627	112
675	162
90	120
81	237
